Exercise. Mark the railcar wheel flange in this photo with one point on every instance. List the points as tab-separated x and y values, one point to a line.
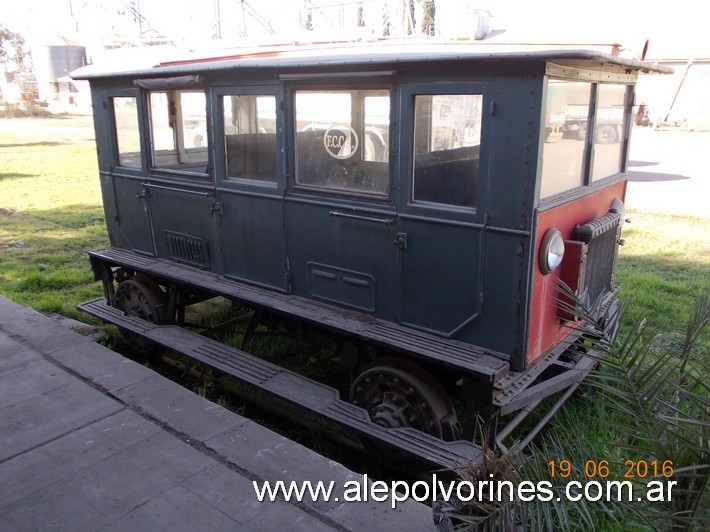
399	393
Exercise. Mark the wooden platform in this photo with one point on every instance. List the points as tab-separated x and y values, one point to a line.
469	359
305	393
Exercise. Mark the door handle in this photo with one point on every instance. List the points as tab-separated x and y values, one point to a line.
148	186
385	221
400	240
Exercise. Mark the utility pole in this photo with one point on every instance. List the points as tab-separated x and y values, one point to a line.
218	20
71	14
676	93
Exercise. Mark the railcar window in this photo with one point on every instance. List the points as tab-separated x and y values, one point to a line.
163	135
342	140
608	131
447	141
178	121
566	117
250	136
125	113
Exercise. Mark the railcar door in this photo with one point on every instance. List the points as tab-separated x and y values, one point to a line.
122	172
441	230
250	182
179	187
340	218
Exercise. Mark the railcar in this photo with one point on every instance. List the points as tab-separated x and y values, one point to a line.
408	207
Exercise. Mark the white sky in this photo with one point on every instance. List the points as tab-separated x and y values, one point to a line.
682	27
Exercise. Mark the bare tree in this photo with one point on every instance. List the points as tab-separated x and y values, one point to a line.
12	48
386	27
307	16
411	21
428	19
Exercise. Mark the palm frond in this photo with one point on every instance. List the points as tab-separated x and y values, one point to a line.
655	401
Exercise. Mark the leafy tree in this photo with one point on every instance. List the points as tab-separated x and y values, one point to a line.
12	48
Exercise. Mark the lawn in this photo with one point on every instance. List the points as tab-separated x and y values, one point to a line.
50	212
663	268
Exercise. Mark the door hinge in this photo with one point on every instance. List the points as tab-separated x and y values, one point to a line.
217	209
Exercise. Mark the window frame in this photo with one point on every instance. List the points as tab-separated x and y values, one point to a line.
588	185
485	89
221	99
627	105
334	191
113	130
586	142
219	147
413	191
180	150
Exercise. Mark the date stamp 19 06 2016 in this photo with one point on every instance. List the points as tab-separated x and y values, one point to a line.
630	469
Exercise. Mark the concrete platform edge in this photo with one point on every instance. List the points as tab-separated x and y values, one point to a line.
243	446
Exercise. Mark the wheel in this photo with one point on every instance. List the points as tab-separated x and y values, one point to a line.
374	148
552	136
606	134
399	393
140	297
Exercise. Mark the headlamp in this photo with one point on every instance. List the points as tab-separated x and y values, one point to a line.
552	251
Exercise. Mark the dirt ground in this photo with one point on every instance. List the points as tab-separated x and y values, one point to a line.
669	171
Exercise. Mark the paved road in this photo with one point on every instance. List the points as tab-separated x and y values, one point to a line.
669	171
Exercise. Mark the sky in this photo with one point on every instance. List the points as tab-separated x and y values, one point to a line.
682	27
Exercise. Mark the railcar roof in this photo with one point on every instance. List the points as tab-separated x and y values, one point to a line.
372	55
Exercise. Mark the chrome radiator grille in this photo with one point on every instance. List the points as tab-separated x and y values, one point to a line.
601	236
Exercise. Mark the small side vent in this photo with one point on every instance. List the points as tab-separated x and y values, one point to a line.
189	249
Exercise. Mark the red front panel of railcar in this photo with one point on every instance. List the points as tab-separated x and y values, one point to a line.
547	328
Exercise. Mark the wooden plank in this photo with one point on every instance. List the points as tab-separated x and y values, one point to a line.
296	389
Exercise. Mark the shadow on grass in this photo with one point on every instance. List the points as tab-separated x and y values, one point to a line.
49	249
666	267
32	144
650	177
643	163
48	235
14	175
662	289
71	216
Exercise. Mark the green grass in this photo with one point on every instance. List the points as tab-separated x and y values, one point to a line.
50	213
663	268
